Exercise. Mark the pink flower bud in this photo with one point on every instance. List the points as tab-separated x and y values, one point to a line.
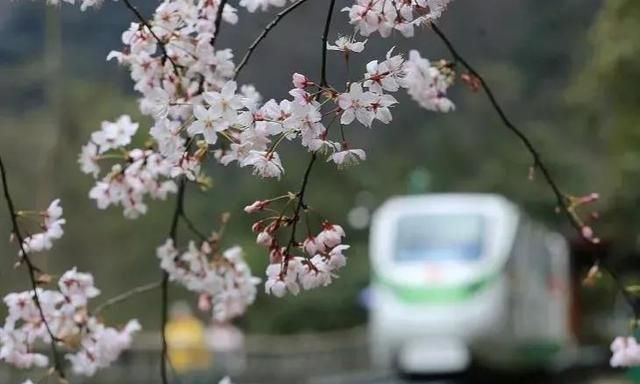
275	256
312	246
264	239
587	232
301	81
204	302
588	198
257	206
257	227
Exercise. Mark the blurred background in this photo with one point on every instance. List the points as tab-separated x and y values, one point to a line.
565	71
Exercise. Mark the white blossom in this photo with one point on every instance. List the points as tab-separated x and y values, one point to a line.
626	352
51	223
346	44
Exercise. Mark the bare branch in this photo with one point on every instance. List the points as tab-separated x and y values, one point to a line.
300	204
173	234
263	34
126	295
325	35
562	199
218	21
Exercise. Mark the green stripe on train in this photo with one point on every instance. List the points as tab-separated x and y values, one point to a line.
418	294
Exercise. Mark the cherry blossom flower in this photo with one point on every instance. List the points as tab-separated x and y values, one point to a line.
100	346
386	75
426	84
626	352
356	104
66	314
347	45
52	223
253	5
384	16
114	135
301	81
348	157
87	159
224	278
208	122
264	164
225	103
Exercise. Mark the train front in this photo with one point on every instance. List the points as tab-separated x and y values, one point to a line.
438	283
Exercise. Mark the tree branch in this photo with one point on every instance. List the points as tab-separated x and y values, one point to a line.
126	295
173	234
192	227
161	44
305	179
300	204
325	35
32	269
263	34
562	200
218	21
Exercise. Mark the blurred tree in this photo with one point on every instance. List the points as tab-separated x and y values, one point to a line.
606	94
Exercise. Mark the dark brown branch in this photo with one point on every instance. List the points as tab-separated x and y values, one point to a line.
32	269
161	43
563	202
307	173
300	205
263	34
126	295
218	21
173	234
192	227
325	35
537	160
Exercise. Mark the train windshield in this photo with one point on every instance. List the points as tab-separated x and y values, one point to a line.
439	237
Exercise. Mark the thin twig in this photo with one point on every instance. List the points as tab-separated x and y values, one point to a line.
221	6
300	204
263	34
126	295
325	36
173	234
32	269
305	179
561	198
192	227
537	160
161	43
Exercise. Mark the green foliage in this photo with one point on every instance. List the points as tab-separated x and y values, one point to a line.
606	94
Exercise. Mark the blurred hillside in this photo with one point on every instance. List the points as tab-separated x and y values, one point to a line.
59	89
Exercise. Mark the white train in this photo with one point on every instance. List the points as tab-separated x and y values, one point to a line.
462	277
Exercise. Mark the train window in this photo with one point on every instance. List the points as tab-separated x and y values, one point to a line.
439	237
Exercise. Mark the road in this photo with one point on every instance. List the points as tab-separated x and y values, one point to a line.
573	377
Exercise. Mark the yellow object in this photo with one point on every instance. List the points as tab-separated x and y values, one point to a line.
186	344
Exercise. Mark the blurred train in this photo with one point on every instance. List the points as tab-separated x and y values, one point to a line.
462	278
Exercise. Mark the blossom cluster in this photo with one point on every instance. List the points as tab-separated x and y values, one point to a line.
67	317
626	352
429	83
321	255
186	87
223	279
199	112
385	16
51	224
250	5
138	173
